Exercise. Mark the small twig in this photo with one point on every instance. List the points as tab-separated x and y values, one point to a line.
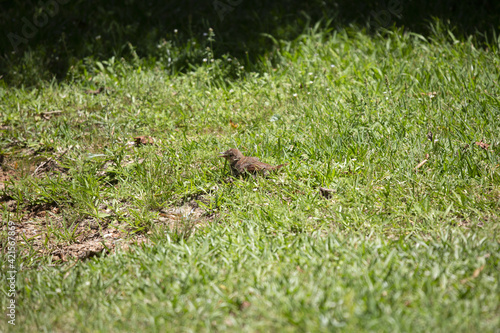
65	151
421	164
52	112
40	166
47	161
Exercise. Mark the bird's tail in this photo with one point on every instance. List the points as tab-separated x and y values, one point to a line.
280	166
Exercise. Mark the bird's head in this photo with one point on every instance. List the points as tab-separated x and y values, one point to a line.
232	155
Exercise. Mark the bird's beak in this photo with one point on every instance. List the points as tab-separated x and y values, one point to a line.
222	154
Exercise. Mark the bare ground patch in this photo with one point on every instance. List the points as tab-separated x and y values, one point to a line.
47	230
43	231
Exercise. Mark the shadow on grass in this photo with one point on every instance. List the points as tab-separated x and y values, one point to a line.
45	38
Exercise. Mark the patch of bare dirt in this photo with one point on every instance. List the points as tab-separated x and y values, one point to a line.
46	235
43	229
95	242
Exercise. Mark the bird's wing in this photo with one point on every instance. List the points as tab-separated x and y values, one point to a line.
252	164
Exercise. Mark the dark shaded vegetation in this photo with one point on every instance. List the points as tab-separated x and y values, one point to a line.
173	34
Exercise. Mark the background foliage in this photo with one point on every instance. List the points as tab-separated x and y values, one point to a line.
82	30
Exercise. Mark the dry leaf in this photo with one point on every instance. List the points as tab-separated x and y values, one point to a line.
483	145
143	140
233	125
476	273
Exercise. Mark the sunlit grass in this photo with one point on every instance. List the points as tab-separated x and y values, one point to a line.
396	247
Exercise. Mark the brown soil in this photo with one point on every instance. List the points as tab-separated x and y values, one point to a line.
41	231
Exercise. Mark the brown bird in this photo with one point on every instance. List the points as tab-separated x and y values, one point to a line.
241	164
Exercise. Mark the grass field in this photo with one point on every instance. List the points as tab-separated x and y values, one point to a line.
403	128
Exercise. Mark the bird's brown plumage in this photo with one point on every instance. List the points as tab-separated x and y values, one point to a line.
241	164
